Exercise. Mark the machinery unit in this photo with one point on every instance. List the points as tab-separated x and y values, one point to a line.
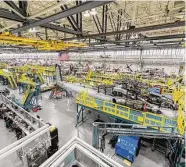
36	140
127	147
77	153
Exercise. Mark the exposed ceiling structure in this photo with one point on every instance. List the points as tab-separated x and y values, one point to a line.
127	24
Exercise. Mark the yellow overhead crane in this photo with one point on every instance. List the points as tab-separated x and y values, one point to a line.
7	38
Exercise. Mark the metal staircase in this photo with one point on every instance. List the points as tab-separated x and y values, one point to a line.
100	130
9	76
137	130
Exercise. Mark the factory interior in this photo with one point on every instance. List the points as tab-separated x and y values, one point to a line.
92	83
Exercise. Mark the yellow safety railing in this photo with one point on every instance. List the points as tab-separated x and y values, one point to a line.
43	72
179	98
9	75
95	78
26	94
124	112
108	79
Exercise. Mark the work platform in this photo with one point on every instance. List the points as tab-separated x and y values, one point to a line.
121	113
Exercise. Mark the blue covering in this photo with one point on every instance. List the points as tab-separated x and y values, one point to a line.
154	90
127	147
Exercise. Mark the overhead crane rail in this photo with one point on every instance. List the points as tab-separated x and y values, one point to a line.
55	45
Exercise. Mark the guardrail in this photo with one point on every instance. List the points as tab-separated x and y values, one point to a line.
126	113
30	119
137	130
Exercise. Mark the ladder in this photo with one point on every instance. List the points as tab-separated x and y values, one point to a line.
26	94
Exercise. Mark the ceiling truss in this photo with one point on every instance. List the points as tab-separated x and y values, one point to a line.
114	23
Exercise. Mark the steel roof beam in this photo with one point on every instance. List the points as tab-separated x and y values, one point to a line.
142	39
123	47
4	13
14	6
70	19
23	6
71	11
135	30
95	21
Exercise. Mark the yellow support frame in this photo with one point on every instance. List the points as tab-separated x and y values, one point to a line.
124	112
10	77
8	38
179	99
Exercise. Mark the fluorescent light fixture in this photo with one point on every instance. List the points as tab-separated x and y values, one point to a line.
132	36
32	30
86	14
93	12
109	44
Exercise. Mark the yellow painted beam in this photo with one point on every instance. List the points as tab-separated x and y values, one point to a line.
7	38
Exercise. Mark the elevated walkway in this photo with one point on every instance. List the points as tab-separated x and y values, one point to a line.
123	113
137	130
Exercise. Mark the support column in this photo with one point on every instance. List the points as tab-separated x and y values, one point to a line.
80	116
141	60
95	137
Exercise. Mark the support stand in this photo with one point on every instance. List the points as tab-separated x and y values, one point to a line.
80	118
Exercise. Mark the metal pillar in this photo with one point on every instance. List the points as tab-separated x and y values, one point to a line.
95	21
104	20
46	34
80	117
95	136
141	60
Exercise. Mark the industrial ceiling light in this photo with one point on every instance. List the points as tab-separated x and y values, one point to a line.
86	14
32	30
93	12
132	36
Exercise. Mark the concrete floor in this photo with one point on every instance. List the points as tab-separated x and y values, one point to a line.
62	114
